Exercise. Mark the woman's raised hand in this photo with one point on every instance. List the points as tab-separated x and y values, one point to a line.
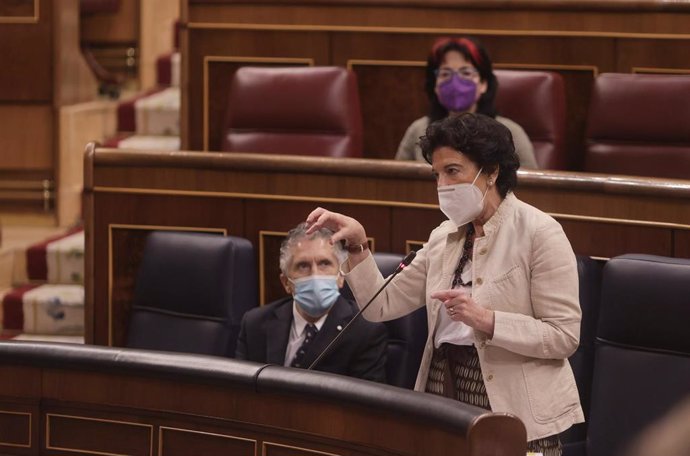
343	227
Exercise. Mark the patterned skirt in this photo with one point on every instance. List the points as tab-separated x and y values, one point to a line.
455	373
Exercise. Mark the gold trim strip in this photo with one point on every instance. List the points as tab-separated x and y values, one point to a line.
191	431
103	420
615	221
647	70
261	196
507	66
308	61
23	19
265	444
547	66
19	445
431	31
375	62
112	226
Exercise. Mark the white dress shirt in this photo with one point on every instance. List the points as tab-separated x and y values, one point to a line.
298	331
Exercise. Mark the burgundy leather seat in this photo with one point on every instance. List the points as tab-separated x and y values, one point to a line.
639	124
536	101
302	111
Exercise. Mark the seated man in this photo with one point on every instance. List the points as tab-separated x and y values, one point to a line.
293	331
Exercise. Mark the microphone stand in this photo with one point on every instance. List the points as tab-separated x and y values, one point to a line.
403	264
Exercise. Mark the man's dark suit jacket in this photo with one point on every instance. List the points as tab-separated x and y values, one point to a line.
360	353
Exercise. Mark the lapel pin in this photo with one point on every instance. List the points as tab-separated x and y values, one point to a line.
339	328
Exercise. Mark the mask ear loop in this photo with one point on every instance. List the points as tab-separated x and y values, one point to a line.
477	176
487	187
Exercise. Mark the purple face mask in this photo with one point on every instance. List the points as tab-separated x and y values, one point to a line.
457	94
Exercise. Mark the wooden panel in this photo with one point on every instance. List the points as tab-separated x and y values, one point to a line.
22	9
27	388
413	225
274	449
387	115
681	247
26	137
28	47
609	240
639	54
15	428
270	287
115	28
84	434
183	442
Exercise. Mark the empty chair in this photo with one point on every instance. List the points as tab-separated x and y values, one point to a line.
582	361
536	101
642	353
406	335
639	124
191	293
297	110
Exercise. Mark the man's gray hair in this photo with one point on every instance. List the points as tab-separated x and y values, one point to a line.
298	234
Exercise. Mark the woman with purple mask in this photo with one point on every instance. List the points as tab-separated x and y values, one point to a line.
460	78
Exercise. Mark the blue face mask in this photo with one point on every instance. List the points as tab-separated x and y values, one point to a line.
316	294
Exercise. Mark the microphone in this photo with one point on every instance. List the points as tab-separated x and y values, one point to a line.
403	264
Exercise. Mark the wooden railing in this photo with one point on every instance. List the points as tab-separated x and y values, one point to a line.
58	398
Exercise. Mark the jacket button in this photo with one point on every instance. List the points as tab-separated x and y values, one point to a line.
479	281
483	251
490	377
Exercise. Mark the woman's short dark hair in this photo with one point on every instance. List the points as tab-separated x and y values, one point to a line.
484	140
474	53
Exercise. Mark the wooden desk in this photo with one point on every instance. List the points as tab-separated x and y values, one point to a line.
81	399
386	43
260	197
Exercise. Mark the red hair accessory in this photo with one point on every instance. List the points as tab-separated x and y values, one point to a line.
462	42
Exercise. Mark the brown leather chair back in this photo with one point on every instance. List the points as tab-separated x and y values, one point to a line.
639	124
536	101
302	111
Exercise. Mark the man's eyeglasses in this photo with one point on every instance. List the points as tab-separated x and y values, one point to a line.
463	73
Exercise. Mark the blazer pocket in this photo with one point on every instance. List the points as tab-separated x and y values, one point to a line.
509	291
507	275
551	389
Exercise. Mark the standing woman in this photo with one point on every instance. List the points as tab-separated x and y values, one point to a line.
460	78
499	281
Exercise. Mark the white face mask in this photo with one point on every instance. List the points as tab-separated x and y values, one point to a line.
461	203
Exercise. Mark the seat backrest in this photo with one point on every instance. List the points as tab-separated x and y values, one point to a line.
406	335
639	124
536	101
582	361
191	293
296	110
642	353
